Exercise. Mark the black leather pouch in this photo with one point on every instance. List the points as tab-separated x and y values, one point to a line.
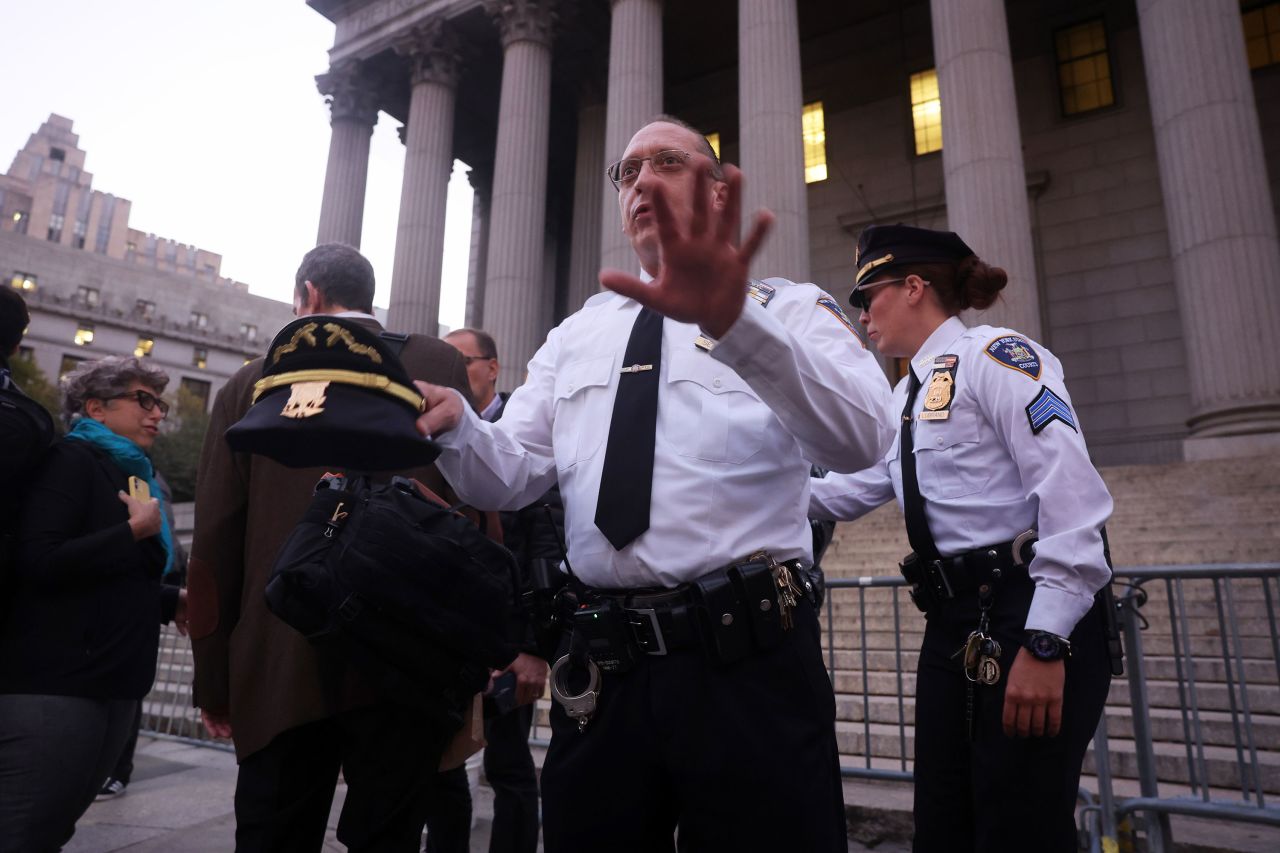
726	636
759	593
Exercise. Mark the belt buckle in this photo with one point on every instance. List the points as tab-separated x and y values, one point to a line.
939	585
636	624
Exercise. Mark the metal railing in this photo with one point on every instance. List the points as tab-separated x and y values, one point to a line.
1215	662
1203	639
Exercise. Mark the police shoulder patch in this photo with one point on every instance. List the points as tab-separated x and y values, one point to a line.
838	312
1046	408
1016	353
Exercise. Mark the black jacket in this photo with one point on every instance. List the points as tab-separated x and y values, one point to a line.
83	609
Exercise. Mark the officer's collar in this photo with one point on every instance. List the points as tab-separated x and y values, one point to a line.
938	343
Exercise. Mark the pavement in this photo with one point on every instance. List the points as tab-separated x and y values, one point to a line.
180	799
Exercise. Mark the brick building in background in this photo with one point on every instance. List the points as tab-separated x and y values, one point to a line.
1112	156
97	287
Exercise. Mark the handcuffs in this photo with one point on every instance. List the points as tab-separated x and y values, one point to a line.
579	706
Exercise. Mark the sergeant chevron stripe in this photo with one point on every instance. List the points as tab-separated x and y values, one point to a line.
1046	408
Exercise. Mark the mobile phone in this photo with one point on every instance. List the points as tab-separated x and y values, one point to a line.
138	489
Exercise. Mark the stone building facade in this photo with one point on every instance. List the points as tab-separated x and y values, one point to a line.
97	287
1112	156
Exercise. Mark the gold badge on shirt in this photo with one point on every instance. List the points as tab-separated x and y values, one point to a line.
941	390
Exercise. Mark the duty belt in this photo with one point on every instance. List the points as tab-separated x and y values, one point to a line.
659	621
936	581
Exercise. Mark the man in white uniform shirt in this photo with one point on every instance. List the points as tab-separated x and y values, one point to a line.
680	413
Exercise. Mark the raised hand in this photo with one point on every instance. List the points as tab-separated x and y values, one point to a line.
703	275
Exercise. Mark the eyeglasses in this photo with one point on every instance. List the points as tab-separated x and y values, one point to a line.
467	359
626	170
145	399
861	296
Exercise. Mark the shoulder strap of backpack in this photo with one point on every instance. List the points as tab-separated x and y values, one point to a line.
395	341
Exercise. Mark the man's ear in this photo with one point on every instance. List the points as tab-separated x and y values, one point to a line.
719	194
313	301
494	369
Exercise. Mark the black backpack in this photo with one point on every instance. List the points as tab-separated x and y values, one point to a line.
405	588
26	431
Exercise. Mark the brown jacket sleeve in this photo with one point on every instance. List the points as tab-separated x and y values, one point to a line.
217	567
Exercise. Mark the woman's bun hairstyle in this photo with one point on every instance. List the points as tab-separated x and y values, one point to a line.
978	283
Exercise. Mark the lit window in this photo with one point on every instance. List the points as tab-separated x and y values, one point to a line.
1262	35
84	334
89	296
926	111
249	332
713	139
815	143
199	320
200	358
1084	71
20	219
25	281
145	308
144	347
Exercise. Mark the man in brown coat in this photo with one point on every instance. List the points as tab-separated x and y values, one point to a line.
257	680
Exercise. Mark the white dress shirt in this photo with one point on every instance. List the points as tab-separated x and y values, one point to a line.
788	383
986	476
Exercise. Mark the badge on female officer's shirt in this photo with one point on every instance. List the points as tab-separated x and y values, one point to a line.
941	390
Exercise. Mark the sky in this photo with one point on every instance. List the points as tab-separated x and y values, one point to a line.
205	115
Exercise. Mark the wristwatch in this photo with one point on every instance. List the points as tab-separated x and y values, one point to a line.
1046	647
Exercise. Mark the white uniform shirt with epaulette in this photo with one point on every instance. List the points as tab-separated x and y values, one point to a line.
998	451
789	383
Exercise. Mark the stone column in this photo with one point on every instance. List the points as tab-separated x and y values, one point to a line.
480	182
353	110
635	96
986	181
771	134
514	296
433	54
1222	227
584	253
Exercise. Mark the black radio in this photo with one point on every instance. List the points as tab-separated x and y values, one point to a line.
602	623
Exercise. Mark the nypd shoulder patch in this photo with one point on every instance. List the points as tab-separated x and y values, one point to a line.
838	312
1046	408
1016	353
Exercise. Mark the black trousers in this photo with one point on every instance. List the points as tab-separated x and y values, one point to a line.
739	757
508	766
997	793
388	756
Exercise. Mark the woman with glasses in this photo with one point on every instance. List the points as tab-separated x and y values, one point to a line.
81	612
1004	512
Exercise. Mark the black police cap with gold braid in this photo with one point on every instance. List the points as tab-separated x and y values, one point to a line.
885	247
332	394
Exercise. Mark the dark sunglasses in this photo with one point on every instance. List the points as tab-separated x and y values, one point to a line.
145	399
861	296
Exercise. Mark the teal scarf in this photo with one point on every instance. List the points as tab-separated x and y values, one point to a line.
132	460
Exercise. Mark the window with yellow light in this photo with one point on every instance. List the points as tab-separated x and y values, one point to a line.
926	111
815	143
1084	68
84	334
1262	35
144	347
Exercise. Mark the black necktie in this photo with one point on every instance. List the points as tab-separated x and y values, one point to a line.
912	502
626	483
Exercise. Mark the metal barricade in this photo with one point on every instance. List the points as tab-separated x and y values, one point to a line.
1208	747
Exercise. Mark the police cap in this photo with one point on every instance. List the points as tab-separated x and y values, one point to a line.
333	394
885	247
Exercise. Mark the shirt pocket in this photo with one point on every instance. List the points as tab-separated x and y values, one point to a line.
582	408
716	416
949	462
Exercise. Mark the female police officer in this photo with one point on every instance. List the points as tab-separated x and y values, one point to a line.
1013	670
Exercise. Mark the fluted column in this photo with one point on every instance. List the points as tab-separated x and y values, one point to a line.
986	181
480	182
1222	227
515	297
433	54
771	133
584	251
635	96
353	111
